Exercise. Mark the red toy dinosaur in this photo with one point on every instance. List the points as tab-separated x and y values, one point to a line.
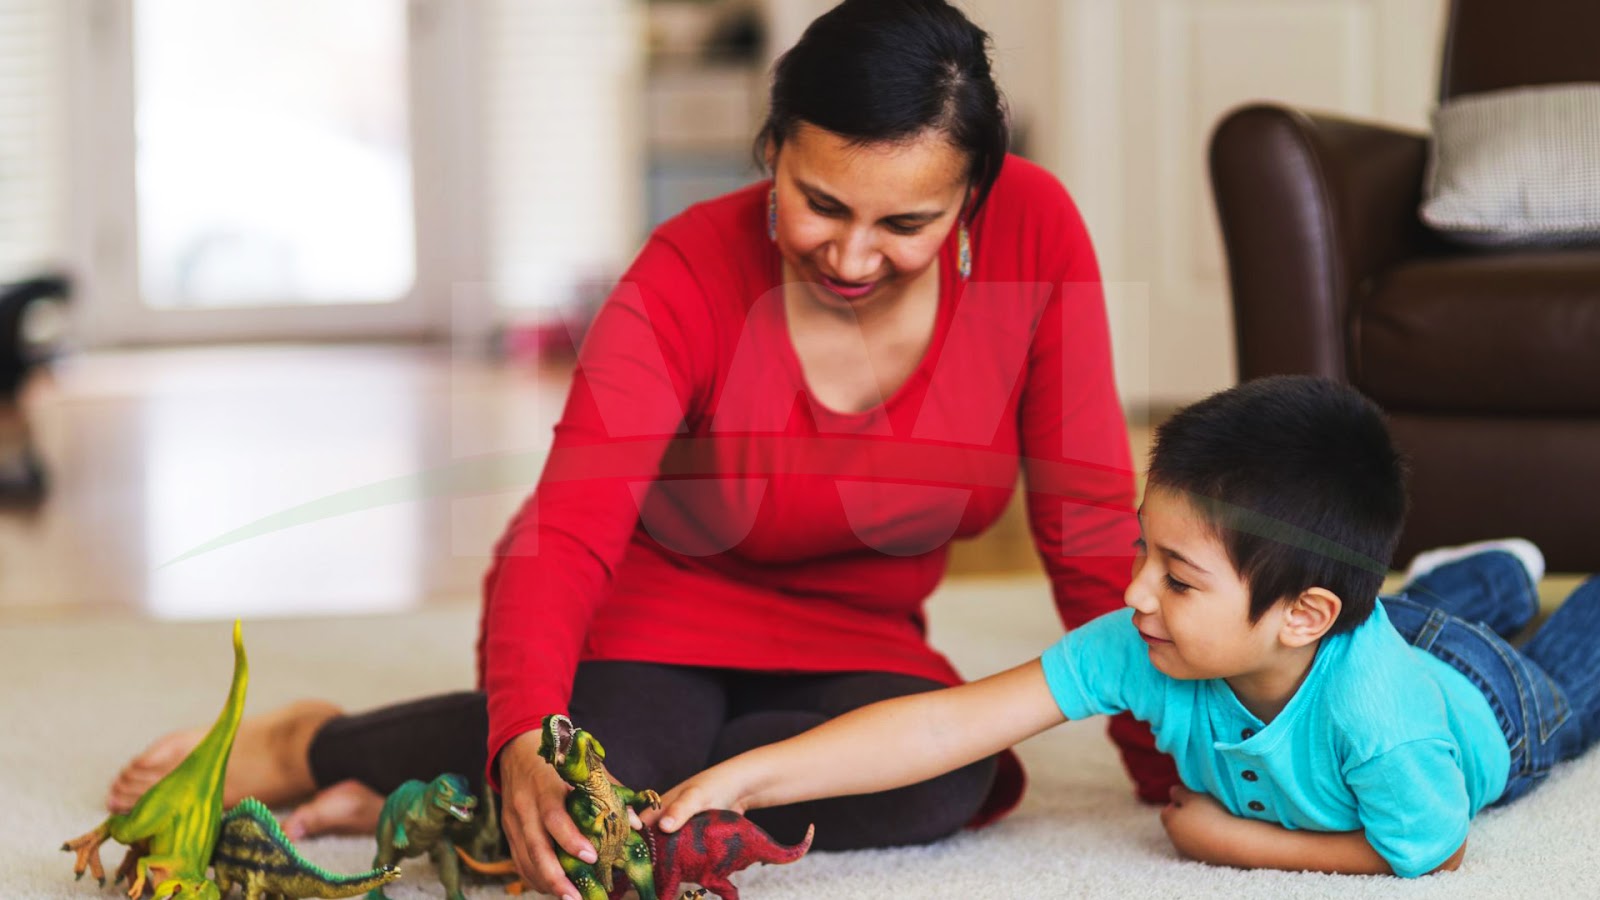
708	848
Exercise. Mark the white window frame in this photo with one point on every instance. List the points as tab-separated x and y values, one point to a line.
102	215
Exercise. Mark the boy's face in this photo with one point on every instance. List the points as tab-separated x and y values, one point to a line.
1190	604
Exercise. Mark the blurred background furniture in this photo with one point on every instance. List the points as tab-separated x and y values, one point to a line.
30	329
1488	362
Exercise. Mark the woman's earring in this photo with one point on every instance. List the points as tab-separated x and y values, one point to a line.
964	249
772	214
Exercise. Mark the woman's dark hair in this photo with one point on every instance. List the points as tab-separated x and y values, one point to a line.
1300	479
889	70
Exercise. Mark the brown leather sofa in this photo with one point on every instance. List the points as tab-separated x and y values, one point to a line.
1487	362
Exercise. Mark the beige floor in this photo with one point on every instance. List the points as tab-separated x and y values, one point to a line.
154	453
406	460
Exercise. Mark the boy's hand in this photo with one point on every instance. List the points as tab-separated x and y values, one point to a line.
711	789
1198	826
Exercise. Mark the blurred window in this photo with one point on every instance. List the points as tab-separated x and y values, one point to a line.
274	157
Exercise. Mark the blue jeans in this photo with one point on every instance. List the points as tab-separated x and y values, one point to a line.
1546	695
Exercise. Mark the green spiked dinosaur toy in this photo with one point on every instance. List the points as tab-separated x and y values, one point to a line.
171	831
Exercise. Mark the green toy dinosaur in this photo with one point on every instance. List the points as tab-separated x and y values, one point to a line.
481	838
423	818
600	810
253	852
171	831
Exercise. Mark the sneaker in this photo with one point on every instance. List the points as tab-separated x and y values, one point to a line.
1524	550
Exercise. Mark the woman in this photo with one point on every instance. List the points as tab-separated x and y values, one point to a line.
799	394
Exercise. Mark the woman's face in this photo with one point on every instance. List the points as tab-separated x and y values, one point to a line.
861	223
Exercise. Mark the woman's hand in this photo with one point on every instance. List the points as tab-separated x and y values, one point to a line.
1199	827
533	814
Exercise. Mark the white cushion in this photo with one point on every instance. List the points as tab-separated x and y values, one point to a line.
1517	167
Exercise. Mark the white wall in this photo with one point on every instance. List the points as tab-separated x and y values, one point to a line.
33	137
1144	82
563	152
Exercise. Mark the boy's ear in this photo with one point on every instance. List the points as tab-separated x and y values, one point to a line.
1309	616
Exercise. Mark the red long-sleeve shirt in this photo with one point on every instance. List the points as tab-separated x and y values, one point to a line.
699	507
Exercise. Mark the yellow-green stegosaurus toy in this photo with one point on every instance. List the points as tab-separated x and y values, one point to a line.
172	830
253	852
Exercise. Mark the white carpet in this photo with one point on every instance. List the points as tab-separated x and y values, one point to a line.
78	700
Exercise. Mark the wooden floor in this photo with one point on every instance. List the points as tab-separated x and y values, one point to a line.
325	480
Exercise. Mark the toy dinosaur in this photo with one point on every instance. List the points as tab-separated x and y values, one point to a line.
423	818
708	848
171	830
713	845
600	810
481	838
253	852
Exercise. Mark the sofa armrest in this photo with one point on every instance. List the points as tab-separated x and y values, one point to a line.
1312	207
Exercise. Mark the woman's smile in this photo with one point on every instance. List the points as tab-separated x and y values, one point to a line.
849	290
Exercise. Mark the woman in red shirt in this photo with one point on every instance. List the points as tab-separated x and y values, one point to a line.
797	396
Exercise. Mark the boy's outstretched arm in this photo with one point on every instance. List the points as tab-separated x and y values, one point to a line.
886	745
1202	829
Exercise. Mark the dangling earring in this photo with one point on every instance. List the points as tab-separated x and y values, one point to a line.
772	214
964	251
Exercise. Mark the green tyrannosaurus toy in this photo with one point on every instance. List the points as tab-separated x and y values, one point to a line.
600	810
252	851
423	818
481	838
172	829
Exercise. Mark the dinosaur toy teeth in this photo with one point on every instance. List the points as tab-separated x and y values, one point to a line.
557	734
461	813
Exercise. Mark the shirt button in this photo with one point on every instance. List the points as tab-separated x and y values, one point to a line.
1248	775
1257	805
1246	734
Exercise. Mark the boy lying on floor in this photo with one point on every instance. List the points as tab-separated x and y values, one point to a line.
1315	726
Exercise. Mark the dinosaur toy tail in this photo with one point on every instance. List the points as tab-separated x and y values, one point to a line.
787	854
351	885
502	867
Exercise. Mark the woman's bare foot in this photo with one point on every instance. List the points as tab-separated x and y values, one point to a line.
348	807
270	759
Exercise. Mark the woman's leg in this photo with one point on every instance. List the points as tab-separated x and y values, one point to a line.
1495	582
269	759
771	708
654	721
657	722
421	739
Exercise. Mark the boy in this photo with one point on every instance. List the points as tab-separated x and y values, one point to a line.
1314	726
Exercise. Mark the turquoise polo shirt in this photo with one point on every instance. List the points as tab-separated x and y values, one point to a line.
1380	737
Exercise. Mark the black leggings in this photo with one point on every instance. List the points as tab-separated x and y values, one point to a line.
661	724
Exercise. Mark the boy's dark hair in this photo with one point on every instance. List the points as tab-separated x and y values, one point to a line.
888	70
1300	479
